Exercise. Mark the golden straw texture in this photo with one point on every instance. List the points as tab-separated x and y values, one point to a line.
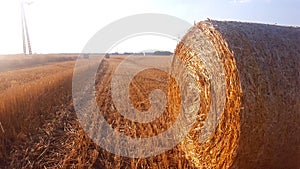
257	118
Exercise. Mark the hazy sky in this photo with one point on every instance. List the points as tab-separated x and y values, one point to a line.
66	25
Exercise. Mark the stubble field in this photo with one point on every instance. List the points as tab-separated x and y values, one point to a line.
40	128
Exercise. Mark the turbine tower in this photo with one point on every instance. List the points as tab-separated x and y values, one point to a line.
25	33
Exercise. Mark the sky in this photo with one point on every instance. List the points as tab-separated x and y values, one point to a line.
65	26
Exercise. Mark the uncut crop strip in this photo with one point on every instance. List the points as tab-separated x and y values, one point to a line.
11	79
23	106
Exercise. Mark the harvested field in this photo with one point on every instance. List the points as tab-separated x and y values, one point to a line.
246	109
56	139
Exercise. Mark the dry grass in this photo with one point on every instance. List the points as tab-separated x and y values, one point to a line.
24	105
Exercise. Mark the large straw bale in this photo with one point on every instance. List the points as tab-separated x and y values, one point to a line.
258	66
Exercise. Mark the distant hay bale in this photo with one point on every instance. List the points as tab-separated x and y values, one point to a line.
259	66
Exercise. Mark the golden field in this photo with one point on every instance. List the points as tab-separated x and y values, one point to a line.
39	127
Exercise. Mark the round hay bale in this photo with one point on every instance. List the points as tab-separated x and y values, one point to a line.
255	123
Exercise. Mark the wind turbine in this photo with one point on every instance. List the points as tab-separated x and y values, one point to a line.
25	33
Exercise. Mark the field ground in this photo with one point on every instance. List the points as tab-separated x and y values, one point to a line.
39	127
14	62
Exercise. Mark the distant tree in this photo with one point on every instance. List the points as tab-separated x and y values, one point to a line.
86	55
163	53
